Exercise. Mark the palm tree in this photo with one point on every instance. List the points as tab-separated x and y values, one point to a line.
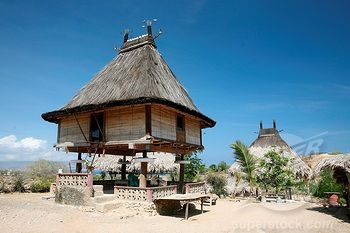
246	161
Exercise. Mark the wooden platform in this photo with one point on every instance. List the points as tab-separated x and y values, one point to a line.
186	199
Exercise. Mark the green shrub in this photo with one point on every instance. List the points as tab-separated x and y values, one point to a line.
218	182
19	187
41	186
327	184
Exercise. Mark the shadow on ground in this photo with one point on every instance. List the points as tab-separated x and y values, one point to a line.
340	212
180	212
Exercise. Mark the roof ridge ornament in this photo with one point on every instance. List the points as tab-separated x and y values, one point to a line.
139	41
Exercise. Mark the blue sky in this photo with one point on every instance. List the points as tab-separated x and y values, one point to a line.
241	62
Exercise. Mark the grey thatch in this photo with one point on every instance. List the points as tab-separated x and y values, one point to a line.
137	75
163	163
269	139
340	164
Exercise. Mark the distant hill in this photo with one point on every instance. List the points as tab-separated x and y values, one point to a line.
14	165
19	165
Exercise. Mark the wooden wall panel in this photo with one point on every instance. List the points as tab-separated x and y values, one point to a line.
193	131
125	123
163	123
69	129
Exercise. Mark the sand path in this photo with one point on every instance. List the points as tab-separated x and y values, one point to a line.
32	213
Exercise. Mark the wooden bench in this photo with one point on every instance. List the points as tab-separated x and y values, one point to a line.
186	199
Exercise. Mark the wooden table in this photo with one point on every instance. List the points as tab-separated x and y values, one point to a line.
187	198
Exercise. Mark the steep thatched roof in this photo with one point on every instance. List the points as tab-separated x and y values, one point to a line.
163	163
137	75
340	164
269	139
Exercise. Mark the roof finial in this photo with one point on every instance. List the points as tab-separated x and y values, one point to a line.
126	35
261	125
274	124
149	26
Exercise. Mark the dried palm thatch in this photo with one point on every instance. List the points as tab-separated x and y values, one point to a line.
268	139
340	164
138	75
163	163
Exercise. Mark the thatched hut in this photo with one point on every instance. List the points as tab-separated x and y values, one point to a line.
270	139
339	164
135	104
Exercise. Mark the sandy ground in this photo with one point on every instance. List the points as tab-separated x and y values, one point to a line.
32	213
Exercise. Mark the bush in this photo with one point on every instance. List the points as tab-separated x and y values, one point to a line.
43	173
218	182
19	186
327	184
41	186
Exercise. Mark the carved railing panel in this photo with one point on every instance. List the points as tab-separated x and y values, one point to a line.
74	179
199	187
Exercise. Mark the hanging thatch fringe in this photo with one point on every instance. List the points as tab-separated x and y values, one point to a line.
336	162
163	163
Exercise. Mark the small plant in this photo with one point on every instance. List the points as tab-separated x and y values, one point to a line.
19	187
218	182
327	184
41	186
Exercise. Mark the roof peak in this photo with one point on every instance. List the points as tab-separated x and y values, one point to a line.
268	131
139	41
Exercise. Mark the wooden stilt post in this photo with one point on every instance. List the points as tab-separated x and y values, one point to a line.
182	176
124	169
79	165
143	175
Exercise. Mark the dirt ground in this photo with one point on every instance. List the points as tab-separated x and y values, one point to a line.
32	213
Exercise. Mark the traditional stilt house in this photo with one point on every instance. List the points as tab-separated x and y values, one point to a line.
135	104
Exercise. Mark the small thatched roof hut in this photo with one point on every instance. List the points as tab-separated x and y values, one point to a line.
268	139
340	164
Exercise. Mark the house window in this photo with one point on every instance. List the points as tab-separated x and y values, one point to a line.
180	123
96	127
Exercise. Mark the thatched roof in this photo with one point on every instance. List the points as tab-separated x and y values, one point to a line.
313	160
137	75
340	164
270	139
163	163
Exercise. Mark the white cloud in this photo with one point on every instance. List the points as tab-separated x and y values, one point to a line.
28	149
10	143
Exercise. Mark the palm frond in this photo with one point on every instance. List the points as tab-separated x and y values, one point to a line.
246	160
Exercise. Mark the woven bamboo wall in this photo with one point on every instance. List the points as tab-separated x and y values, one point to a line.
163	123
193	131
69	130
125	123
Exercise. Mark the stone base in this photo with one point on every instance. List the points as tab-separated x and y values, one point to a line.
79	196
